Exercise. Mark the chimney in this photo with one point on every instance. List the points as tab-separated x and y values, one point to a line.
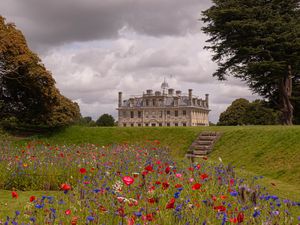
171	91
206	99
157	93
149	92
190	96
120	99
178	92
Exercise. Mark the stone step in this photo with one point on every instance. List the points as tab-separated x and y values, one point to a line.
200	152
206	138
208	133
202	147
204	142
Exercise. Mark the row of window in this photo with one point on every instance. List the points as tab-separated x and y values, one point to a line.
168	112
154	124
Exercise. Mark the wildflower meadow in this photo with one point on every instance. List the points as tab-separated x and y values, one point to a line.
132	184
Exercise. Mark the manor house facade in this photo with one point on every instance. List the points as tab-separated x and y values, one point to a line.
163	108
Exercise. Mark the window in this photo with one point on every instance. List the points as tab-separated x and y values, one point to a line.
124	113
139	125
153	125
184	124
176	113
132	125
161	114
139	114
168	124
184	113
147	102
168	112
160	124
146	124
131	114
124	124
153	102
176	124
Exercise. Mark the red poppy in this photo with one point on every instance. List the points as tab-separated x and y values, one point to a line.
149	168
220	208
151	200
196	186
231	181
167	170
82	170
149	217
128	180
178	185
240	217
165	185
14	194
74	220
68	212
223	197
203	176
32	198
157	182
65	187
191	169
170	204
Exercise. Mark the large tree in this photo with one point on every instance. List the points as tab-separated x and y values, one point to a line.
105	120
243	112
27	89
258	41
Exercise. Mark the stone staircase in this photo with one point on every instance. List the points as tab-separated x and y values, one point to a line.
203	144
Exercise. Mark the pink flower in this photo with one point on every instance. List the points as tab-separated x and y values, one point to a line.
191	180
128	180
68	212
178	175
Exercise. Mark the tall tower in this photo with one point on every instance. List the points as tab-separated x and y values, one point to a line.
164	86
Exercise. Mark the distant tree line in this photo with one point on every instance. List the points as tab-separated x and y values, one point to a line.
105	120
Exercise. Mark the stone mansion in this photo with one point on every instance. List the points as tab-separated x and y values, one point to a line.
166	108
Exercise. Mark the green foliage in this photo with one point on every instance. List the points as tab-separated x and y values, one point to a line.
28	91
242	112
105	120
86	121
235	113
258	42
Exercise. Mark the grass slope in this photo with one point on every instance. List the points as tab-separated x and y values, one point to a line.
271	151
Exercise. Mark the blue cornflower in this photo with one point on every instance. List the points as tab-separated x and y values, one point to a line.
96	190
176	195
138	214
256	213
234	193
90	218
39	206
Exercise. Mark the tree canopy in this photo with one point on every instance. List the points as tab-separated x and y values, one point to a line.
243	112
105	120
258	41
27	89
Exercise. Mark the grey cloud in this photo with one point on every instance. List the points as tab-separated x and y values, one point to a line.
48	23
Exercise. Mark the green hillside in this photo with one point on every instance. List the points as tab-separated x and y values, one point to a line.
271	151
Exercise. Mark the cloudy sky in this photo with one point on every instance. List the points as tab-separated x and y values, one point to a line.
95	48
